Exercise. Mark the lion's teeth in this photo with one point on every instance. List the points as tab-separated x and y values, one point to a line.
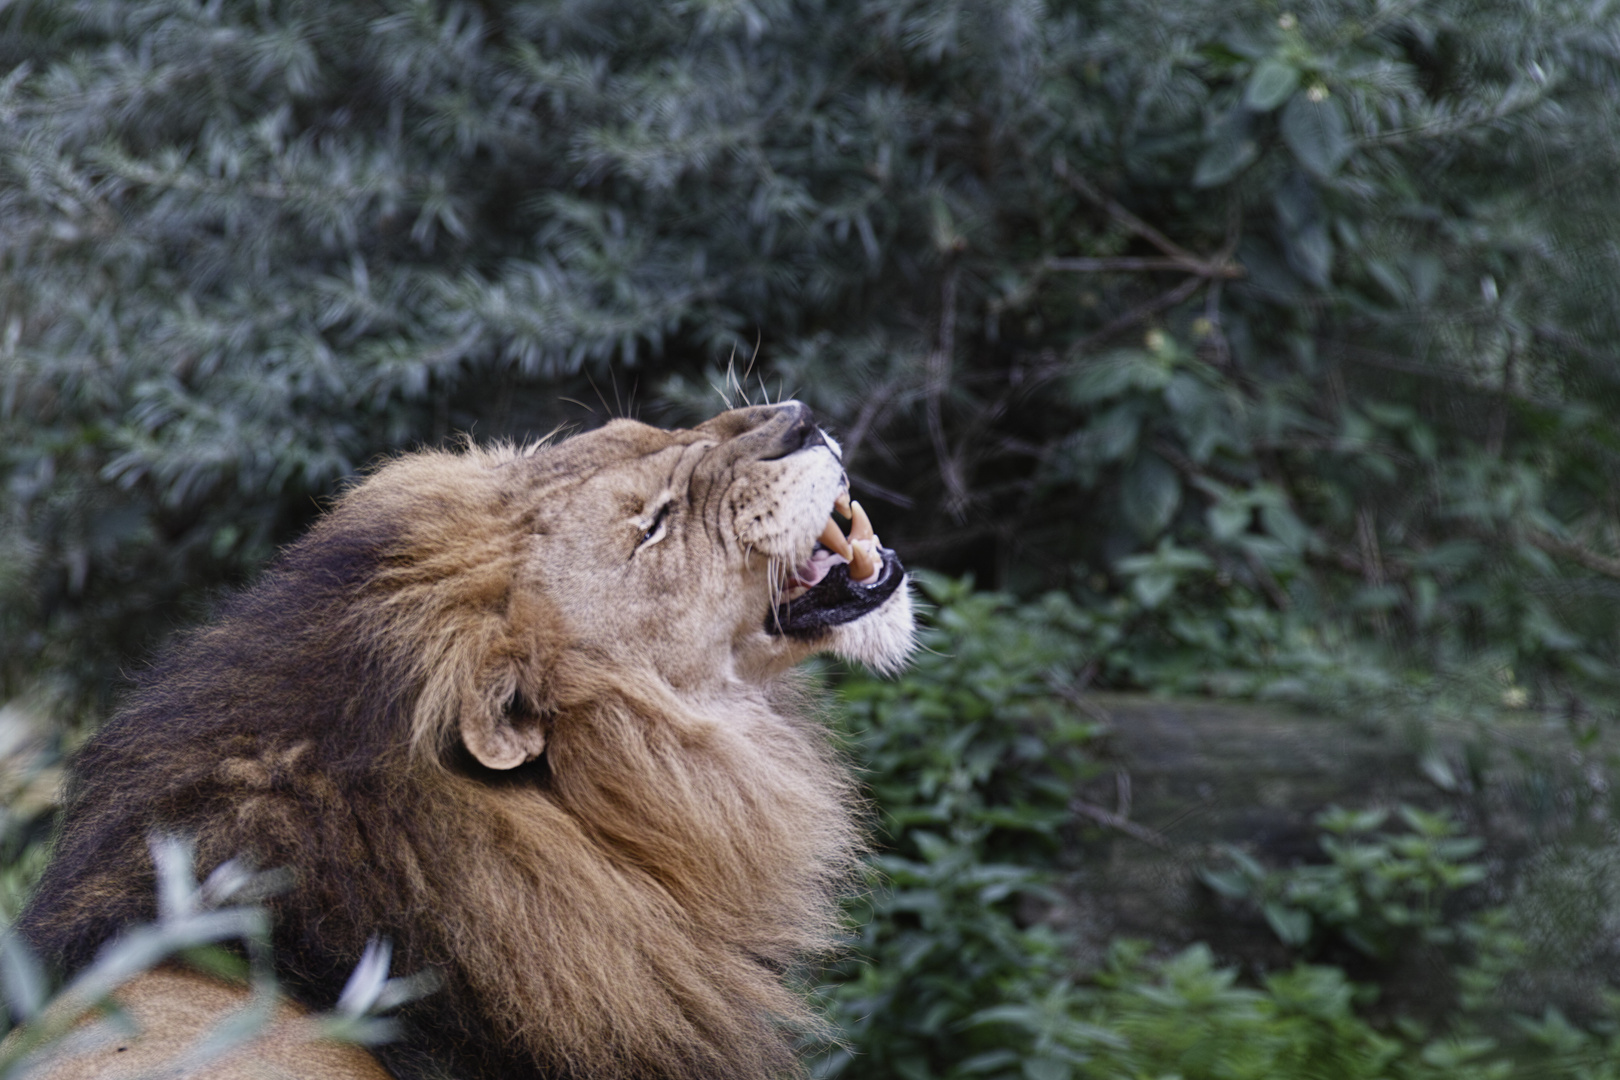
842	505
861	563
860	526
833	539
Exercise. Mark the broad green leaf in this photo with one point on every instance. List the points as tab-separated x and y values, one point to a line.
1270	85
1152	589
1439	770
1047	1069
1229	883
1231	149
1152	492
1317	133
1281	522
1229	518
1291	925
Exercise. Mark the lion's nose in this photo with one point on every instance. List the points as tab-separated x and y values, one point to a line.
801	431
771	431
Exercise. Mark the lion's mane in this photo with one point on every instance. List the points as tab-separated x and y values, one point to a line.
625	906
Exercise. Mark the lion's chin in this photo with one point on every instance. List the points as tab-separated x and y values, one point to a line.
881	639
868	621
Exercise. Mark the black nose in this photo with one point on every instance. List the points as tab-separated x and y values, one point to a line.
795	428
770	431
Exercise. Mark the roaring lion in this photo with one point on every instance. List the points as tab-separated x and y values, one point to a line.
527	713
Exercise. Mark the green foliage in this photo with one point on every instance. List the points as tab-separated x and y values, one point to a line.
972	755
1381	893
1295	328
1280	342
1186	1016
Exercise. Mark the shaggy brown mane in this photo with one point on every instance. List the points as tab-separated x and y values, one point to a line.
623	906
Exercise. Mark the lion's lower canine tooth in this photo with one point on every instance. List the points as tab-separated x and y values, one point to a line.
842	505
833	540
860	563
860	526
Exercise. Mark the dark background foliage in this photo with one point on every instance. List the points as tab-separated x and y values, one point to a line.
1321	296
1278	339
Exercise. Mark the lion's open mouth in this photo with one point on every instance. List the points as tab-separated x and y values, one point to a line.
844	578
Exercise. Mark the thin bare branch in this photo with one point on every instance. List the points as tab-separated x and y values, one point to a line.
876	401
1595	561
1130	828
1055	365
939	380
1129	263
1120	214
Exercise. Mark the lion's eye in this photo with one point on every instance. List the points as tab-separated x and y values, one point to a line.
655	531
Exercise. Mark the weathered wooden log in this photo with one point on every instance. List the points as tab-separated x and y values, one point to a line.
1191	777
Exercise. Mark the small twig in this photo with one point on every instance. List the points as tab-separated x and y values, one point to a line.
878	491
1360	354
1122	791
1607	565
1122	263
1054	365
1176	257
1140	312
1372	554
874	405
1124	825
1120	214
1267	581
939	375
1072	693
1220	349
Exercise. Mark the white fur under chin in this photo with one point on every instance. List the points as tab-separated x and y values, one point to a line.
881	640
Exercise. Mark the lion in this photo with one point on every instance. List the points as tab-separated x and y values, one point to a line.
529	714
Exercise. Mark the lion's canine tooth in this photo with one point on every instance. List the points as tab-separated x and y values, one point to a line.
860	526
842	505
833	539
861	563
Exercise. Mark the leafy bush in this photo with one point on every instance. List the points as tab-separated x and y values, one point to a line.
1185	1016
1295	327
1280	341
1382	893
973	755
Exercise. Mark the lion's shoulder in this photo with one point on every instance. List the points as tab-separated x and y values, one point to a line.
176	1011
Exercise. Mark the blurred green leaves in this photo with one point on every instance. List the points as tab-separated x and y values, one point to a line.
1382	893
1072	281
972	758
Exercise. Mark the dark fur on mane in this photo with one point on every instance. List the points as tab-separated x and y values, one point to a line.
622	907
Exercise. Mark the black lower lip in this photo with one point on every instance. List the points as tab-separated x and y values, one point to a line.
835	600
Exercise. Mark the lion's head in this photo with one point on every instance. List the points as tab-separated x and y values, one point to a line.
527	713
674	557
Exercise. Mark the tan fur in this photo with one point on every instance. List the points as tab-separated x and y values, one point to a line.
371	715
177	1009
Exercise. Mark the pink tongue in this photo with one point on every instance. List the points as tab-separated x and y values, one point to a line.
821	560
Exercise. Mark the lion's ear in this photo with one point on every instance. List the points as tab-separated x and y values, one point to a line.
504	728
